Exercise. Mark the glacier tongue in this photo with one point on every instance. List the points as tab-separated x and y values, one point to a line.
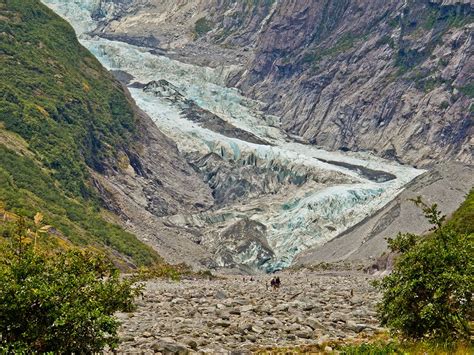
278	197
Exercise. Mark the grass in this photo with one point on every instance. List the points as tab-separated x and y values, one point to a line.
463	218
62	115
468	90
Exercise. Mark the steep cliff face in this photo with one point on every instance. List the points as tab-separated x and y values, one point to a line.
388	76
447	185
392	77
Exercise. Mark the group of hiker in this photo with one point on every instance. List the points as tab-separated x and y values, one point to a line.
275	283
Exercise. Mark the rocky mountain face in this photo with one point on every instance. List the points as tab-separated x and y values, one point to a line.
446	185
391	77
387	76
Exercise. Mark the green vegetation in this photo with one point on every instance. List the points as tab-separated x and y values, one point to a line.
390	346
61	116
429	293
380	344
387	40
407	59
430	19
462	221
420	19
468	90
202	26
172	272
57	96
446	16
25	187
376	348
59	302
260	2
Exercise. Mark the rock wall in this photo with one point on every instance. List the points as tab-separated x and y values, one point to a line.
387	76
447	185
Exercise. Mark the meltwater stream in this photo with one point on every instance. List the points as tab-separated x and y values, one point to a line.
312	194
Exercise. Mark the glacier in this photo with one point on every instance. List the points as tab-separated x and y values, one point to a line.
310	195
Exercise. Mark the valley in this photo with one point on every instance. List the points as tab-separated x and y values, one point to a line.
233	315
162	160
274	196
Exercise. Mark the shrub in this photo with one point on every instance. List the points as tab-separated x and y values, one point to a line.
202	26
429	292
57	302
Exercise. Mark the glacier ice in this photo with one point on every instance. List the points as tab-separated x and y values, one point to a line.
331	200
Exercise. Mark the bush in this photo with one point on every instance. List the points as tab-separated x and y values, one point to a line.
370	349
429	292
57	302
202	26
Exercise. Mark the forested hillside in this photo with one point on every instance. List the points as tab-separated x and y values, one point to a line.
62	116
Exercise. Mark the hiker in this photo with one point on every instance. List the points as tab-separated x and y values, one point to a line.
273	284
277	282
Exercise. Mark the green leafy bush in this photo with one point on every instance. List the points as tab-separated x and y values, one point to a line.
429	293
202	26
58	302
370	349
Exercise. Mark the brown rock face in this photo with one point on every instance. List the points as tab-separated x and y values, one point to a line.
393	77
151	180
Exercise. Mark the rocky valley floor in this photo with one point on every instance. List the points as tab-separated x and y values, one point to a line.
230	315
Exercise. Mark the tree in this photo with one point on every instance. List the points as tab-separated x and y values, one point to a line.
429	293
57	301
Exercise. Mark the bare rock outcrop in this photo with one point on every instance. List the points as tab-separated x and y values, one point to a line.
151	180
392	77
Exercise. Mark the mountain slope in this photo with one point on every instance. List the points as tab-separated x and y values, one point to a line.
69	130
393	77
